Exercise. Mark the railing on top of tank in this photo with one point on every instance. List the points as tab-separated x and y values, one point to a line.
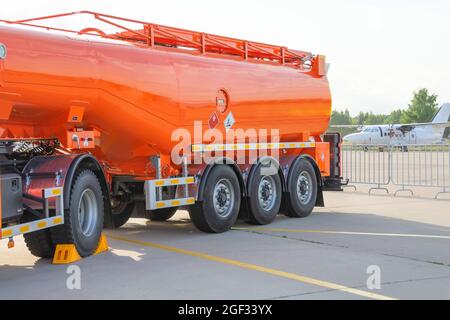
158	35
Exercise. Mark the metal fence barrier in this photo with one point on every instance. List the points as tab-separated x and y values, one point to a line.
364	164
402	166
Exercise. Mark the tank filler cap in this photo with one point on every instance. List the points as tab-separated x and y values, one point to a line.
222	100
2	51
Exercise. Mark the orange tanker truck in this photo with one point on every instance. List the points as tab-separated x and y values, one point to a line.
94	125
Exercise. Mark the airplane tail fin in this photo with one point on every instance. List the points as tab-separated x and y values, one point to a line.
443	114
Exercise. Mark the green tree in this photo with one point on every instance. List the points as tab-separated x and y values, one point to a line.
341	117
373	119
361	118
422	108
395	117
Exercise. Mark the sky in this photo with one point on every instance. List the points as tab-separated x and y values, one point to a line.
380	51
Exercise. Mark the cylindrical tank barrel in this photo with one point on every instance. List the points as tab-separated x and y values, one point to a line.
136	96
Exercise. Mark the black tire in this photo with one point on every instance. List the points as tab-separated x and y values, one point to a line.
122	213
161	215
204	214
39	243
86	183
264	213
297	207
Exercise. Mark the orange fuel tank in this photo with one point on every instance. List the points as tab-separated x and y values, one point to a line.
134	94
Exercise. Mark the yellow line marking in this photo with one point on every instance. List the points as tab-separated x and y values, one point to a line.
405	235
244	265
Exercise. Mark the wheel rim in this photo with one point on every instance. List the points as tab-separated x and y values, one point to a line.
304	185
87	212
267	193
223	198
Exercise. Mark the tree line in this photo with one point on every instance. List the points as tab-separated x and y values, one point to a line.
422	108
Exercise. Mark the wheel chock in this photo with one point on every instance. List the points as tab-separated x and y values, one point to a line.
66	254
102	245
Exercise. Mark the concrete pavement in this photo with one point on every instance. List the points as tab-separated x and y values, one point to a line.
325	256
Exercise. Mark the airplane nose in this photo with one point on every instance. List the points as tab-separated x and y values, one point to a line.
348	138
353	138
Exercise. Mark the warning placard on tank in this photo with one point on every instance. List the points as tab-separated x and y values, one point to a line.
229	121
213	121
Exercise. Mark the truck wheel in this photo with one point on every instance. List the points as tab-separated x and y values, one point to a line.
161	214
40	242
121	213
302	195
219	210
265	200
83	222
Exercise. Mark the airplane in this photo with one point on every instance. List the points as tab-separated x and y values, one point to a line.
435	132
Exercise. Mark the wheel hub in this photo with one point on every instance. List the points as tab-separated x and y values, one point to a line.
223	197
304	183
267	193
87	212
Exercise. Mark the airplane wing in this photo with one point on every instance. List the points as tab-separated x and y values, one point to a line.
411	126
348	126
345	126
